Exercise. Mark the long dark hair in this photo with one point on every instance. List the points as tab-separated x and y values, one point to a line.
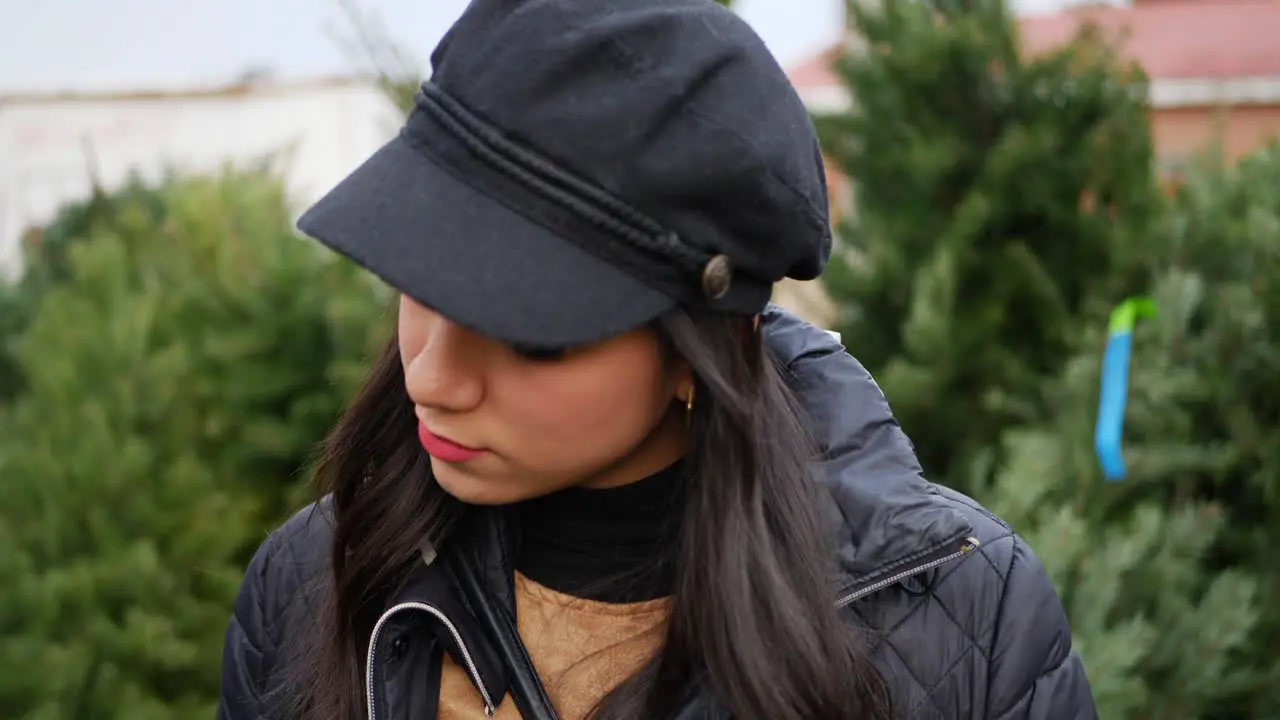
753	614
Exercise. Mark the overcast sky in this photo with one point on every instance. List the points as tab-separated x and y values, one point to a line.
139	44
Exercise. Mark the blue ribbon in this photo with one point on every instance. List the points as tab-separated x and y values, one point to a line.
1109	431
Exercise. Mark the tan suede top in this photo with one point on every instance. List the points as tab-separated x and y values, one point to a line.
582	649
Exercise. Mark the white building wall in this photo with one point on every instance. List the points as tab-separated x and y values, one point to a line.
48	144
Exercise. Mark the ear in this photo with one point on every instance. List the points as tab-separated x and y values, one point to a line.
681	380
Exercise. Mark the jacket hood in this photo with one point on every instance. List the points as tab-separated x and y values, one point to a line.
889	515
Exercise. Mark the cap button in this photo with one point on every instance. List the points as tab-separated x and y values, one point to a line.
717	275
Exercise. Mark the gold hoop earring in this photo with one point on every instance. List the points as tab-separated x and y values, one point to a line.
688	408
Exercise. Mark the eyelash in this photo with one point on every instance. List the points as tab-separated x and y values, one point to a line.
539	354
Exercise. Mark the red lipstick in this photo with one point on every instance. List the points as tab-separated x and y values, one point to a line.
443	448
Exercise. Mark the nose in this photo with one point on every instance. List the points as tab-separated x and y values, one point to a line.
447	371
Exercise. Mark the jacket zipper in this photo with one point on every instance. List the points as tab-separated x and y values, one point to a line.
489	708
967	545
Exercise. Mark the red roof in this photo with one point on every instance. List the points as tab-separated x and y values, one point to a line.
817	71
1170	39
1177	38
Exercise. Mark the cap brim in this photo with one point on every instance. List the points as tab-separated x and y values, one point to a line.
484	266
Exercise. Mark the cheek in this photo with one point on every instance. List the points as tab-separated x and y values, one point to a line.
577	424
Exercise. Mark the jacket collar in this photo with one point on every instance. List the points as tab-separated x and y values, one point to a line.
428	598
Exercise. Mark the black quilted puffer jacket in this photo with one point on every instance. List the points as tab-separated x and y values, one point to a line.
965	620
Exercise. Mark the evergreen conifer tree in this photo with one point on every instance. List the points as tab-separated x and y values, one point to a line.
1169	575
995	197
176	381
45	262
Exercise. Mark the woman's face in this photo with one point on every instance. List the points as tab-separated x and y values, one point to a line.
596	417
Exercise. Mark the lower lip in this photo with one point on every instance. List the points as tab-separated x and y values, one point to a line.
445	450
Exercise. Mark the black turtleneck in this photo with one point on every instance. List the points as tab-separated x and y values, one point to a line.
613	545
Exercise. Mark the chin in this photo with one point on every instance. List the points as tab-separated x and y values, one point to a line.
476	490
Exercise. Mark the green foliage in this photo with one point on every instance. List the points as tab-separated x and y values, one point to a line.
178	375
997	199
1219	291
46	261
1160	637
1168	575
13	318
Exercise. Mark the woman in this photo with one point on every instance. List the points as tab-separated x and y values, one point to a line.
595	474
